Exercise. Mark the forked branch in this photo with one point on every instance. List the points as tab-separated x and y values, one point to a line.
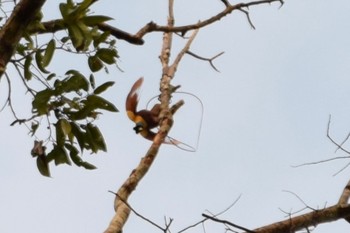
339	211
137	38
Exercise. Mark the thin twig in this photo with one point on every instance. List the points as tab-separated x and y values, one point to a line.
215	215
299	198
248	18
138	214
210	60
321	161
227	222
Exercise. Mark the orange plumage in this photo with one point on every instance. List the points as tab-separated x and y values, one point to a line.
145	120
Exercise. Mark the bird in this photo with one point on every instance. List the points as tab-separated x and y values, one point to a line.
145	119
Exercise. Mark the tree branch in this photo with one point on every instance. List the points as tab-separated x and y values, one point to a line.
210	60
313	218
122	210
137	39
227	222
14	28
53	26
152	27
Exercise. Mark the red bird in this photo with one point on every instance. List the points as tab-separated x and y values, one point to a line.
145	120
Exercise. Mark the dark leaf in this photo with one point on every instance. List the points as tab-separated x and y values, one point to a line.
39	61
92	81
41	100
88	166
95	64
27	73
43	166
59	155
74	154
103	87
96	101
78	134
107	55
76	36
75	82
96	139
60	136
101	38
34	127
52	75
93	20
50	49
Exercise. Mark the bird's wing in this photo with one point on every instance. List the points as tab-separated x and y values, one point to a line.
133	99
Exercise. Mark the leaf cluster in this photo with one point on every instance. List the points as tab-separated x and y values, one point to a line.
74	130
70	103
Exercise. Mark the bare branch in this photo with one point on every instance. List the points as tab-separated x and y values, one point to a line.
344	198
227	222
227	4
137	39
299	198
248	18
138	214
215	215
151	27
210	60
313	218
173	67
332	140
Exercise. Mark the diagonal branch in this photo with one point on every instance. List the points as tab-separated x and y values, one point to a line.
137	38
210	60
227	222
312	218
152	27
14	28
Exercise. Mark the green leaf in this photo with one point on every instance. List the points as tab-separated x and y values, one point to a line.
60	134
39	61
52	75
92	81
93	20
98	102
78	134
74	154
107	55
34	127
75	82
95	64
27	63
103	87
66	127
101	38
41	100
96	139
88	166
76	36
49	51
59	155
43	166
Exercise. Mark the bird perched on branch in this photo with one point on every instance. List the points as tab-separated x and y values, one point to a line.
145	120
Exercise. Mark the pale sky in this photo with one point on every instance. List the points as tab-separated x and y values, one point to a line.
266	111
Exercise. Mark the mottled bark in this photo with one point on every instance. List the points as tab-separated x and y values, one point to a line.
14	28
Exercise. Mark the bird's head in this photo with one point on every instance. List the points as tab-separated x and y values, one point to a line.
139	127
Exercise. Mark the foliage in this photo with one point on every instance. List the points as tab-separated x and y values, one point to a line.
70	101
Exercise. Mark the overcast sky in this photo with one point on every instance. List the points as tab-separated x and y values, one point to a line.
266	111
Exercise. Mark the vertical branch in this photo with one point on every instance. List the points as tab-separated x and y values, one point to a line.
122	209
165	88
